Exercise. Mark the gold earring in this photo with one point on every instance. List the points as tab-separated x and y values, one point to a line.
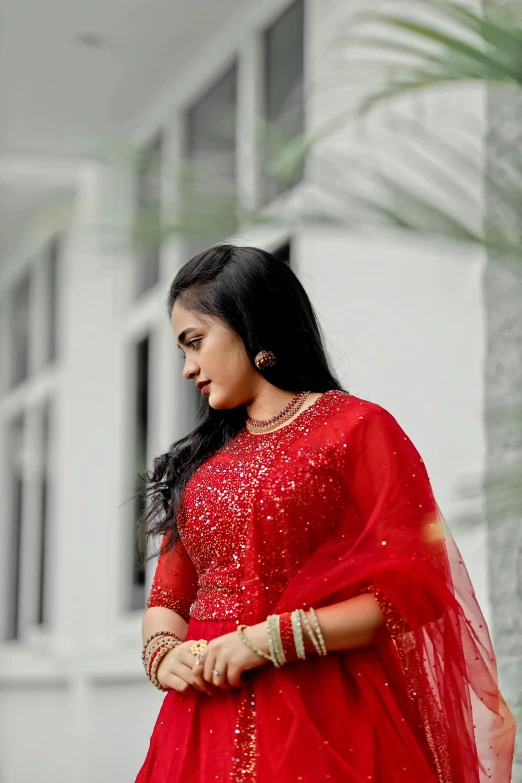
265	359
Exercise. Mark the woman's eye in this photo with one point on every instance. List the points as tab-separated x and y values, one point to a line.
195	343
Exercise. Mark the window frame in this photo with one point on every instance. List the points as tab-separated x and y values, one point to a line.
27	401
232	65
149	172
281	190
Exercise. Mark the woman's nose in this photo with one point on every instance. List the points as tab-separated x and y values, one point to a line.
190	369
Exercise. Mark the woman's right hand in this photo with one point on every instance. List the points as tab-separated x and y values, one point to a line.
177	672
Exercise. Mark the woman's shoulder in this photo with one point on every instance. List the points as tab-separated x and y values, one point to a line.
349	416
346	408
354	420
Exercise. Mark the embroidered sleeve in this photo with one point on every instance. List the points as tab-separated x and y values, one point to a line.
175	582
395	624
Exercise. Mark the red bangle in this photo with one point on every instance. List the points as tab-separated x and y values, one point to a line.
287	637
154	654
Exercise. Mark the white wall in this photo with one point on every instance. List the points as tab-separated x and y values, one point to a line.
405	327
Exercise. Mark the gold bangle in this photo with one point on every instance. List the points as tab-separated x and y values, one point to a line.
155	665
298	635
241	634
273	656
310	632
152	649
154	639
320	637
275	634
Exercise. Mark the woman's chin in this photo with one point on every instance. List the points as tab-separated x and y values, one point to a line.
220	402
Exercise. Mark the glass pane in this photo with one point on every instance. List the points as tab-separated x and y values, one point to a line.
15	445
148	216
210	183
141	443
19	332
284	95
52	300
44	516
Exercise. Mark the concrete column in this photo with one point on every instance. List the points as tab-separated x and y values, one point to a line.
503	302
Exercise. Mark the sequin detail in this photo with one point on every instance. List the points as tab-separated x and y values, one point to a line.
395	624
168	599
229	488
245	751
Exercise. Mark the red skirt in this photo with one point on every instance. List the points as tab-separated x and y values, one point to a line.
345	719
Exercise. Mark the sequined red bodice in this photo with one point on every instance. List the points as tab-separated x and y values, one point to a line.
294	486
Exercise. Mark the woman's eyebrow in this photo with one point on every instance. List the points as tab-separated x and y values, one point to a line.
184	334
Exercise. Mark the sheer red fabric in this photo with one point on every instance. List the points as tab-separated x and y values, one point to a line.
336	503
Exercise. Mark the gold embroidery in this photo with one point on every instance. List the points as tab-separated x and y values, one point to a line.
244	760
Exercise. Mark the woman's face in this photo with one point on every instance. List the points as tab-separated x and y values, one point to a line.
216	355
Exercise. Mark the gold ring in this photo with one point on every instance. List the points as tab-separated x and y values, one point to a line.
197	648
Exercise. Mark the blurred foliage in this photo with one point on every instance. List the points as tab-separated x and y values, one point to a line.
436	47
451	44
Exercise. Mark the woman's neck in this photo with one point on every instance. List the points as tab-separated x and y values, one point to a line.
271	400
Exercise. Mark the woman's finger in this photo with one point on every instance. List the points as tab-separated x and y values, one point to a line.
219	674
210	659
233	677
181	665
193	676
199	682
174	682
188	661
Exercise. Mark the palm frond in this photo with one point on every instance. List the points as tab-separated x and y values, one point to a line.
478	48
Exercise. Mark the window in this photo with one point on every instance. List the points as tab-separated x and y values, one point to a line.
142	360
20	331
51	299
148	216
41	608
15	444
210	146
31	345
283	95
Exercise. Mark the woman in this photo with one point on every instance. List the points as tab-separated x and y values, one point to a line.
304	616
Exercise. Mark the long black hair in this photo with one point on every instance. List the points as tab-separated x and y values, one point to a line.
262	301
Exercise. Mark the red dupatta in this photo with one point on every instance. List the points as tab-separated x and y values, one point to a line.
427	698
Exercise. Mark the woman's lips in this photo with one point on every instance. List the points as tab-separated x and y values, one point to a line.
205	390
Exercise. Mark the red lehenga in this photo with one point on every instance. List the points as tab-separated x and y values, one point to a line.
333	504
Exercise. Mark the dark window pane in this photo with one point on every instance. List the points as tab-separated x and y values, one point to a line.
15	443
52	299
148	216
210	184
284	95
20	332
142	428
44	517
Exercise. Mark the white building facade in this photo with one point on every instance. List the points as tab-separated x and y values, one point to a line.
91	386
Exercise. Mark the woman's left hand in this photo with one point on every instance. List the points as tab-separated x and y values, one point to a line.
230	656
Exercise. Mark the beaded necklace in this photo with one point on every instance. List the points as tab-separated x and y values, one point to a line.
267	425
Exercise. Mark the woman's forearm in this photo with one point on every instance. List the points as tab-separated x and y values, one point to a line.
157	618
356	622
